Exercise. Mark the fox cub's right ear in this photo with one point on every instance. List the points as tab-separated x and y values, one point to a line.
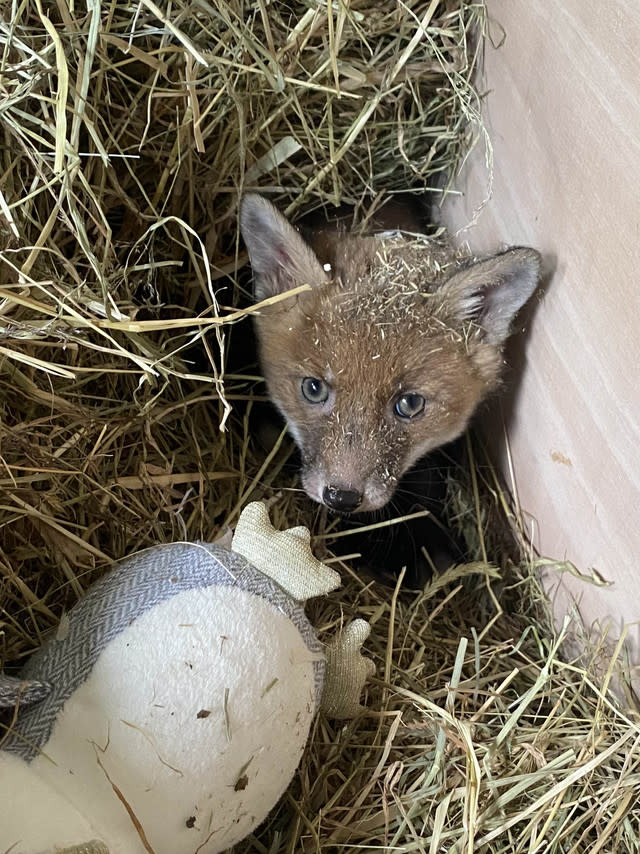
280	258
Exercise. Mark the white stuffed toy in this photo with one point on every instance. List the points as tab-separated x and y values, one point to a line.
170	712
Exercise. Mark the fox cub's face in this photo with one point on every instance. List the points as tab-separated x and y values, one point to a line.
386	356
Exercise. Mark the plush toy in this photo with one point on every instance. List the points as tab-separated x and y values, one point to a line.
170	712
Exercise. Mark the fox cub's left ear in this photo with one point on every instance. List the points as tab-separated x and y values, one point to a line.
491	292
279	257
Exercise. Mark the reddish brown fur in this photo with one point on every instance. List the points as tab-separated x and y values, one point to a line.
392	315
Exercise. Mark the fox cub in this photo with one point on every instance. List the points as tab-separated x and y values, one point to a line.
388	354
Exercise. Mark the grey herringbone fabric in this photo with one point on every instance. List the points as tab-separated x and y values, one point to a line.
133	587
19	692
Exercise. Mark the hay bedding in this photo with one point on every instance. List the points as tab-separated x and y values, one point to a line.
128	131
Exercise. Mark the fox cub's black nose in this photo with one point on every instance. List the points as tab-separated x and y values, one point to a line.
344	500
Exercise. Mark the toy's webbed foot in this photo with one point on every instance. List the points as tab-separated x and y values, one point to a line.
284	556
347	670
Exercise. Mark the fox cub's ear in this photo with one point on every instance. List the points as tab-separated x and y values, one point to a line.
279	256
491	292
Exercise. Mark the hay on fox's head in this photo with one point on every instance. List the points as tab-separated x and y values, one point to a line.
128	132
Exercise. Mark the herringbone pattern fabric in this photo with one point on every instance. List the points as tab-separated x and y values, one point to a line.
133	587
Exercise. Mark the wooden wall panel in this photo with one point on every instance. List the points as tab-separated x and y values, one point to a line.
563	114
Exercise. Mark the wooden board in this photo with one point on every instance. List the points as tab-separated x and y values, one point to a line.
563	114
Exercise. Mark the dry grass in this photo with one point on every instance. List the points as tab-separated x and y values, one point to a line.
483	734
128	132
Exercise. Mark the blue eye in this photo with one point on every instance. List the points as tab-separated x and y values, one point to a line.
314	390
409	406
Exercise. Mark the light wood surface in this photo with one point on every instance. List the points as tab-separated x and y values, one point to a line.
563	114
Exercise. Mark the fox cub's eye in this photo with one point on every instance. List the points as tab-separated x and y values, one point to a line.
314	390
409	406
